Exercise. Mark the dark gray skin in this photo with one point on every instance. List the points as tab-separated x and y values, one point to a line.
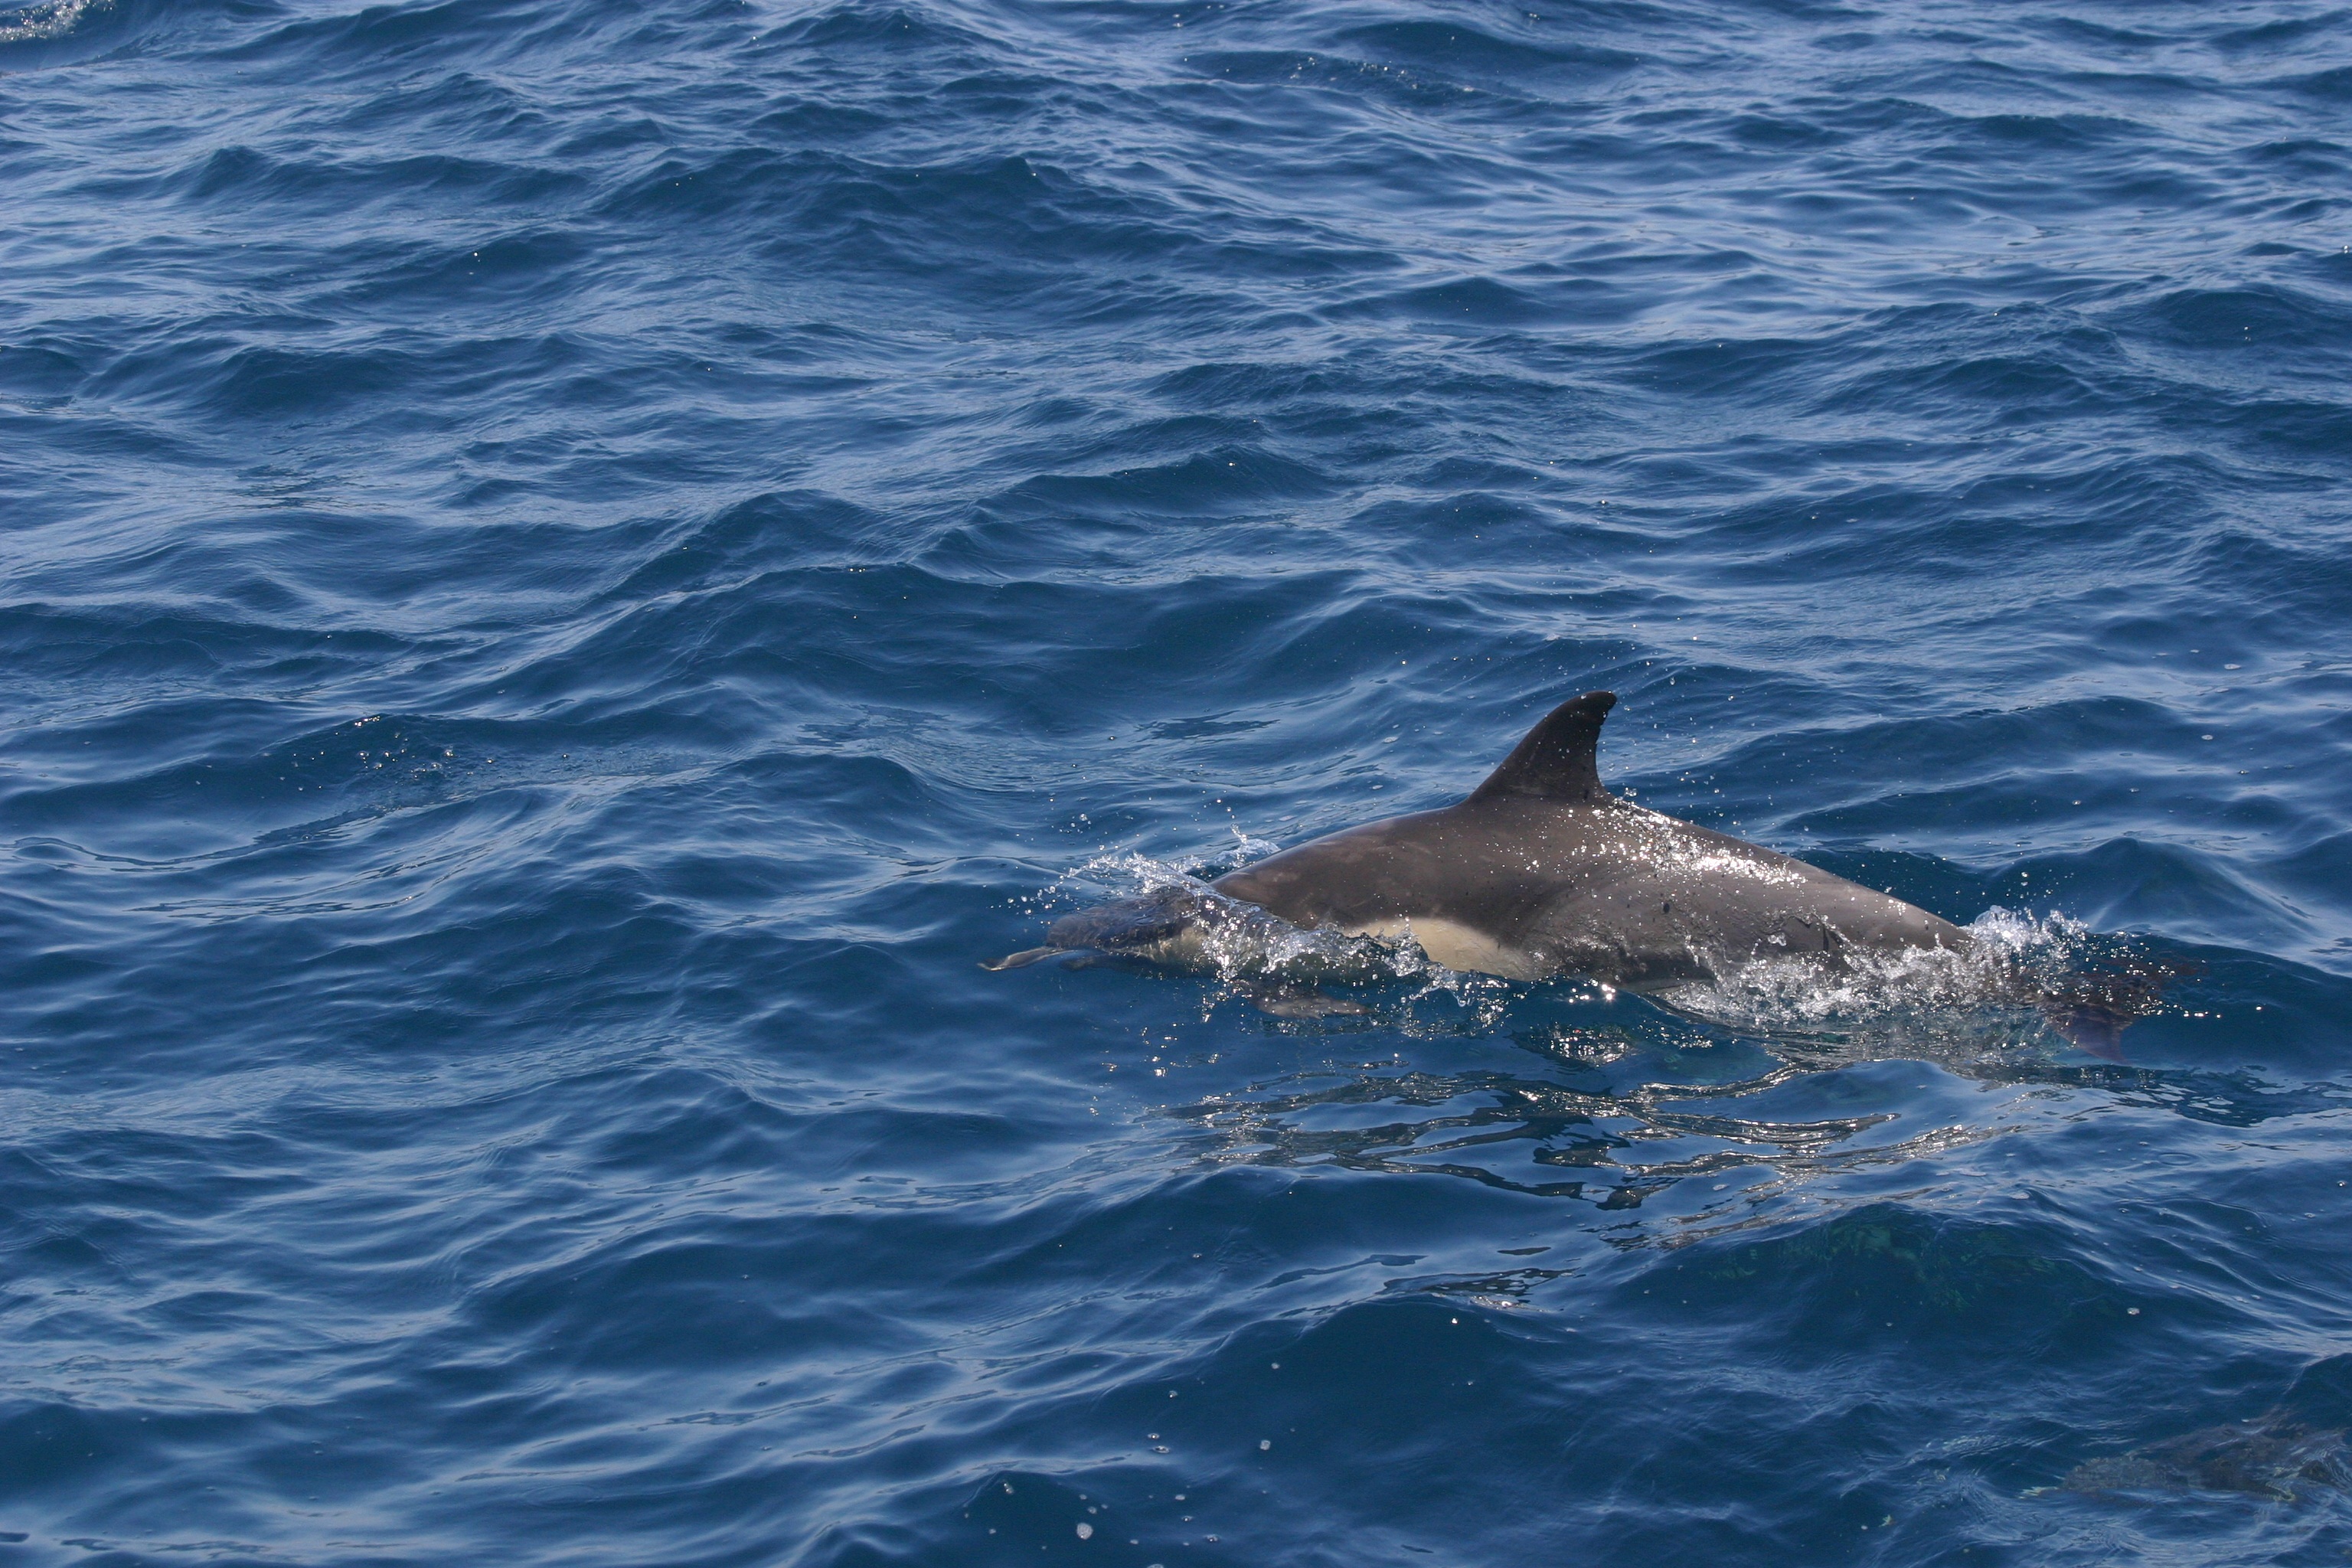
1534	890
1539	873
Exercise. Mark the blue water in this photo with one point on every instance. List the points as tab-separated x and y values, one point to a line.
572	567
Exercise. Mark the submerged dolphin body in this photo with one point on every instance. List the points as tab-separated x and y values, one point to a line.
1539	873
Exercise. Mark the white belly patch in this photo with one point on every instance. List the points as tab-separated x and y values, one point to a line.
1461	947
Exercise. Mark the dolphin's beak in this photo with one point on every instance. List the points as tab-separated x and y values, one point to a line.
1024	958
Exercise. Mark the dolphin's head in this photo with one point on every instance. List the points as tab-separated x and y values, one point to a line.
1152	925
1158	927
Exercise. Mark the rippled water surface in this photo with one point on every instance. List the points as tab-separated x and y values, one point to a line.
571	568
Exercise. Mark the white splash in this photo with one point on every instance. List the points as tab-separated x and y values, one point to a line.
52	20
1249	847
2009	950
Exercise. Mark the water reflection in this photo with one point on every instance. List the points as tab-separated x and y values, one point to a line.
1513	1132
1647	1099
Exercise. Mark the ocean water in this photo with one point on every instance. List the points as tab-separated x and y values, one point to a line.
572	568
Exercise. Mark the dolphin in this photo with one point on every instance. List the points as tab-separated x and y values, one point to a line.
1538	874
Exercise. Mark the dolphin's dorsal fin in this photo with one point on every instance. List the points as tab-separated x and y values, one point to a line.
1557	760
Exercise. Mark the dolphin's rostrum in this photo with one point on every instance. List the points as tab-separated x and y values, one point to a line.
1539	873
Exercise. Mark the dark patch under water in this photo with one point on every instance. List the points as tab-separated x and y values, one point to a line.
572	567
2287	1454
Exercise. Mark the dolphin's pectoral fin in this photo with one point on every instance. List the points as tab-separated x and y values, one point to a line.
2094	1030
1559	759
1023	959
2093	1008
1300	1001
